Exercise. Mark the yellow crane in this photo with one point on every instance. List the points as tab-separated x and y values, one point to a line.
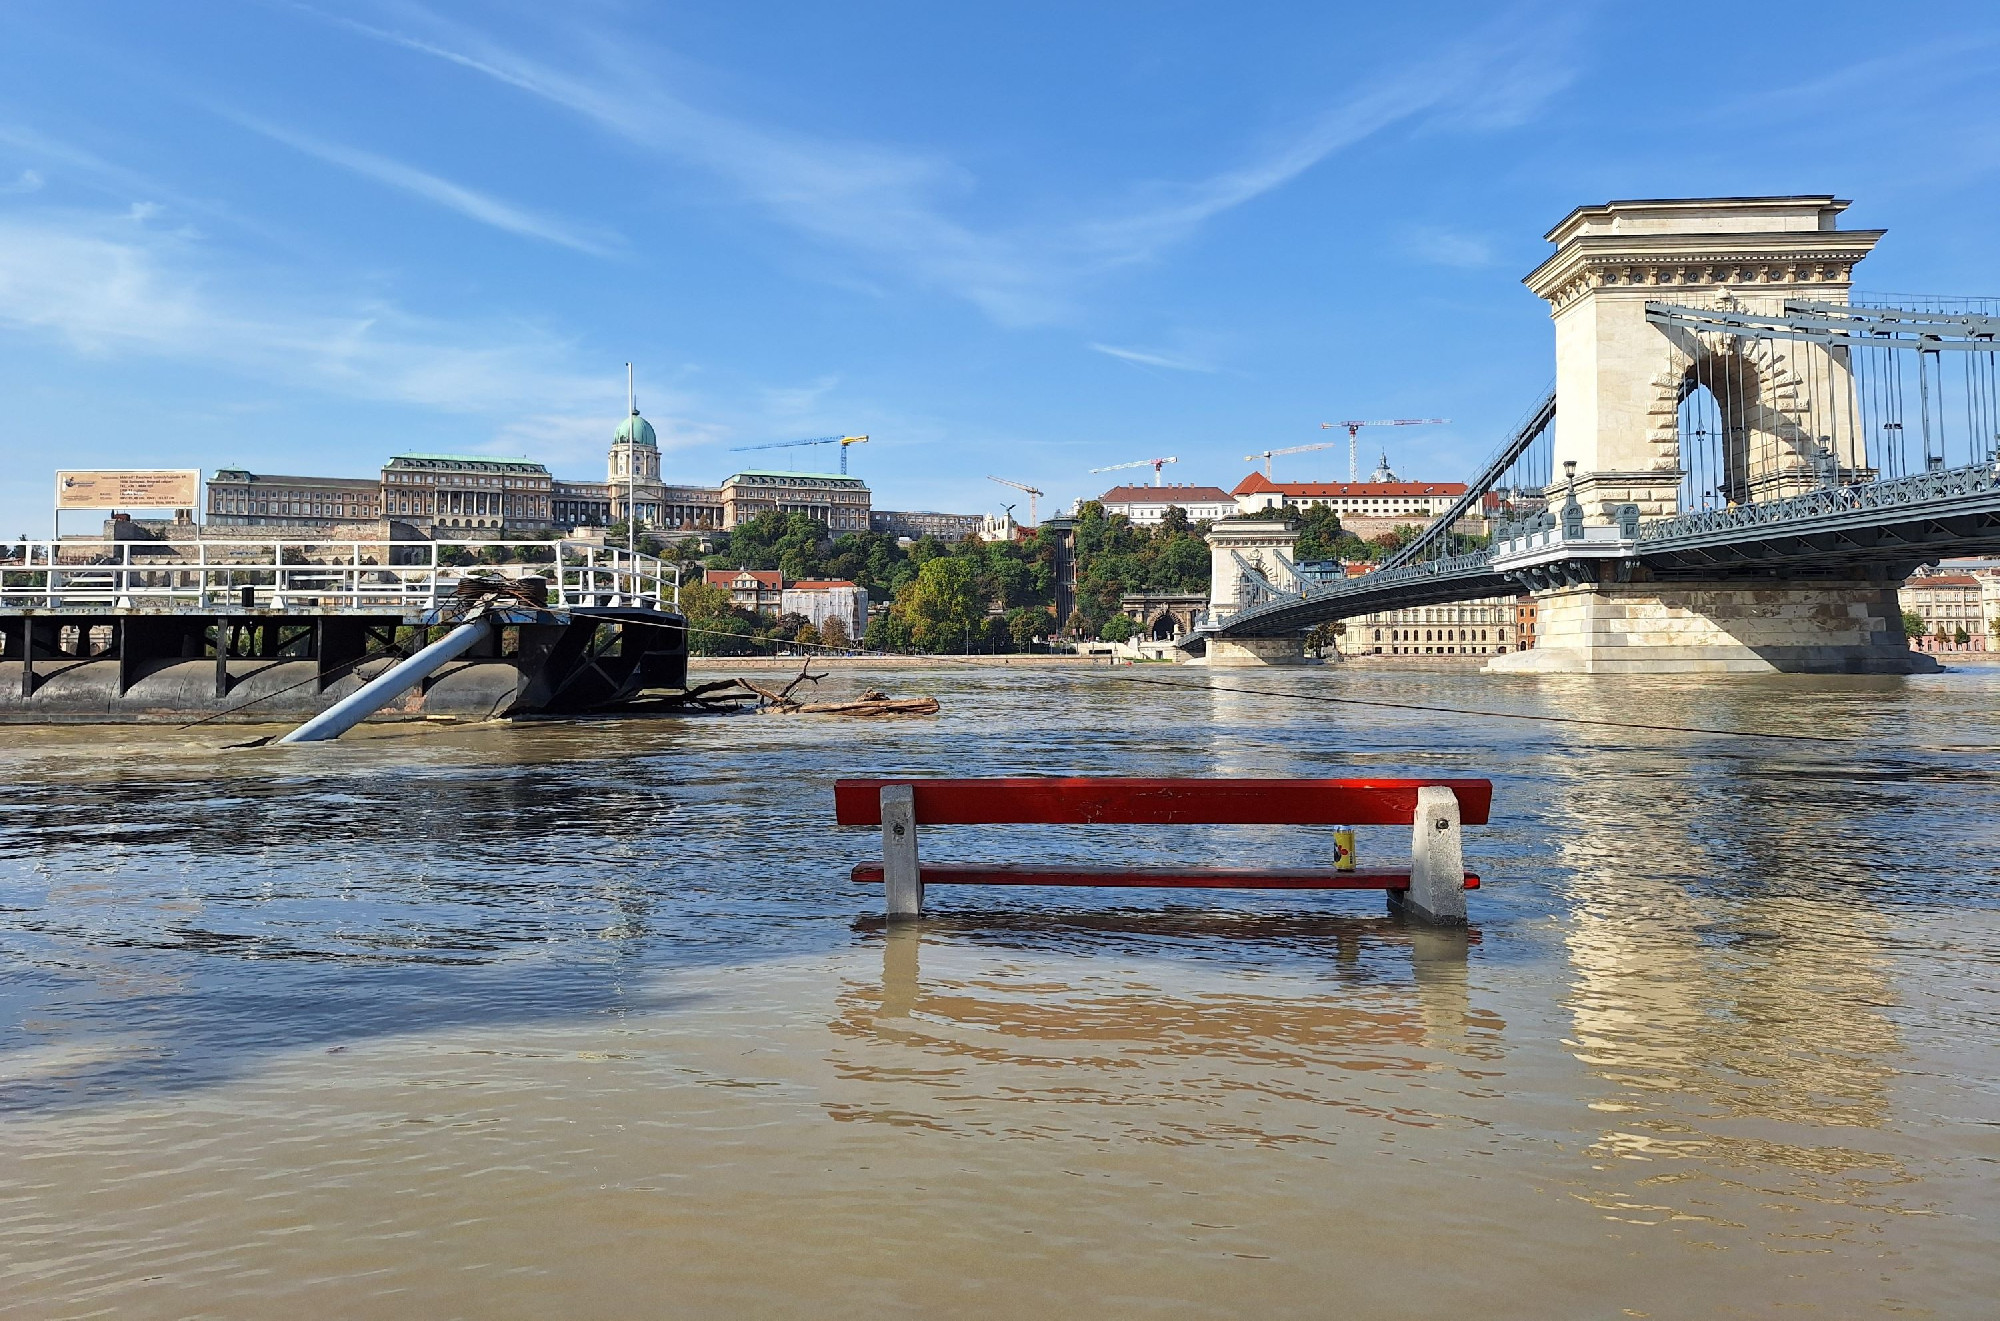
842	441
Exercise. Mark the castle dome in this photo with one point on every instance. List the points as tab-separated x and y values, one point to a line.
636	430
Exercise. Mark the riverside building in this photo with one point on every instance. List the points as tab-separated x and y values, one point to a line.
1463	629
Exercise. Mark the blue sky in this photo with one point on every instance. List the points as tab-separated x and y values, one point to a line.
1023	239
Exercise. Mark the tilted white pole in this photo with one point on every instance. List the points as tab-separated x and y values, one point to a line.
385	688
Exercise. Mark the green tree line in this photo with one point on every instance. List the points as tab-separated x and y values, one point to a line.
978	596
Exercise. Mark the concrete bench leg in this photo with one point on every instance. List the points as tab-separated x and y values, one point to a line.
1437	860
902	877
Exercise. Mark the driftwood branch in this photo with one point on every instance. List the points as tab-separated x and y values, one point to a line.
873	702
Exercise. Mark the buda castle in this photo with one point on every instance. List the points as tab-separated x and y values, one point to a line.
457	497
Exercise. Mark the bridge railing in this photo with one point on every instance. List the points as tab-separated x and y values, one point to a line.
1895	493
406	577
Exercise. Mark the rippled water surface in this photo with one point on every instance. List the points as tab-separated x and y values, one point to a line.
585	1020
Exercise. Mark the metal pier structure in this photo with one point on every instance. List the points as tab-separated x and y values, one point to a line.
260	631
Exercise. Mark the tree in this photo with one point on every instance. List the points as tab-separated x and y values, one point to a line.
833	633
942	606
716	625
807	636
1320	534
1913	625
1118	628
1028	625
1960	636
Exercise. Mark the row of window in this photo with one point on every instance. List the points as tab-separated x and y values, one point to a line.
461	480
1439	635
236	502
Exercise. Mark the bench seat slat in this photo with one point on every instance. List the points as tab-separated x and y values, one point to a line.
1175	878
1108	800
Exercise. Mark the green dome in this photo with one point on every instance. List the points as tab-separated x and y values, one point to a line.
636	430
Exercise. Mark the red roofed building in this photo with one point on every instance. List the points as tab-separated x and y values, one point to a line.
1951	607
753	589
1367	509
1149	504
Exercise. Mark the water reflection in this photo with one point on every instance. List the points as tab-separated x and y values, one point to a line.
1153	1047
596	997
1727	990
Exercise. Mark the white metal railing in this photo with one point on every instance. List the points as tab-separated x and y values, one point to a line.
402	576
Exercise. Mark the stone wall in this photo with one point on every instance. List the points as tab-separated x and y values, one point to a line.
1719	628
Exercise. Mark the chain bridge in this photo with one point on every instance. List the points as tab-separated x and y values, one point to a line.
1739	462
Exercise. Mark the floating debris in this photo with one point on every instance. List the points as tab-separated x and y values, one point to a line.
872	702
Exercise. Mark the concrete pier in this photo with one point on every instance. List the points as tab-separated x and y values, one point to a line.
1736	627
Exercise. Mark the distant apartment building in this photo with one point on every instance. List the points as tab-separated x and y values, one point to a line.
762	590
1949	604
1467	628
822	599
1525	614
919	523
239	498
1147	505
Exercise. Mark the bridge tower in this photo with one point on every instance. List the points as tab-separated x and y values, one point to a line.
1620	383
1250	561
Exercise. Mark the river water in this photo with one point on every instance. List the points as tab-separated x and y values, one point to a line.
584	1020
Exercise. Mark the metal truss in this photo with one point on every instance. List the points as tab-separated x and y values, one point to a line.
1896	524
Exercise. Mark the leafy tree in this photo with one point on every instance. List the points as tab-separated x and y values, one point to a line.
807	636
833	633
1913	624
942	606
1026	624
1960	636
717	626
1118	628
1320	534
1115	558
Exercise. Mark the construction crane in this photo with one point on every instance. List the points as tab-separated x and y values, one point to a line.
1156	465
1295	449
1033	495
842	441
1354	434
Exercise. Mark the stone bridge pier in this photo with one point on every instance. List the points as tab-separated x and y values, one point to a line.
1620	384
1248	559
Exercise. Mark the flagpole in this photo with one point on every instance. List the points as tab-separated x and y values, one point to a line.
631	474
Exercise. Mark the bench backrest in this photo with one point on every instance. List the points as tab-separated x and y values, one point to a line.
1110	800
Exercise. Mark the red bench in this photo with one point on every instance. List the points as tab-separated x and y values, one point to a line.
1430	887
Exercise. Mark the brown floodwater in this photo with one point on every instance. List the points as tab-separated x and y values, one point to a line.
584	1020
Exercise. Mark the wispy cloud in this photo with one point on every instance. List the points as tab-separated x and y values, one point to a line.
28	181
1445	247
893	207
1149	358
76	164
468	202
109	288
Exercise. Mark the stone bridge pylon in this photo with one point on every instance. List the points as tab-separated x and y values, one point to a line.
1620	384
